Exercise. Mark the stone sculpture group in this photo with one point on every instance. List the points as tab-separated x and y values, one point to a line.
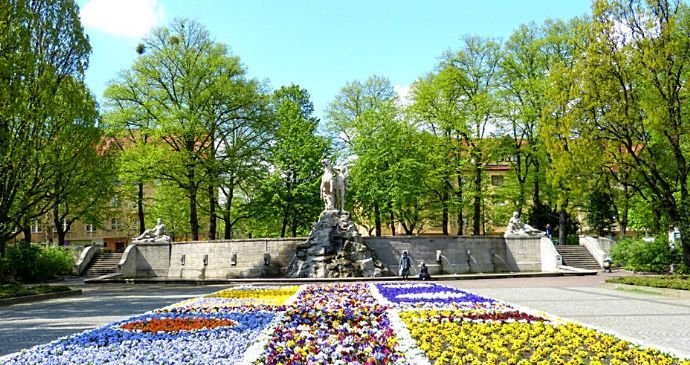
155	234
333	186
334	247
516	228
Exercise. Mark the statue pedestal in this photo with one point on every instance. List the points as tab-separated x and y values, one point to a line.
334	250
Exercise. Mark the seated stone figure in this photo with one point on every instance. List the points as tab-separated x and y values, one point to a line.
156	233
517	228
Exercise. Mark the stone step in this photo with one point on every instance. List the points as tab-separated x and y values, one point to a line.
103	263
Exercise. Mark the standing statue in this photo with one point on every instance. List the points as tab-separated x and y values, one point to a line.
333	186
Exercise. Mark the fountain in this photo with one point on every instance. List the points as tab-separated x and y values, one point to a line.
440	257
334	248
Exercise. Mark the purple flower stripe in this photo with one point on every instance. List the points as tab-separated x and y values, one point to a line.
428	293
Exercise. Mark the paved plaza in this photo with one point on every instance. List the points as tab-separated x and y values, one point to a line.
662	321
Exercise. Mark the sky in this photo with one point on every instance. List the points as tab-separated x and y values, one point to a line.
319	45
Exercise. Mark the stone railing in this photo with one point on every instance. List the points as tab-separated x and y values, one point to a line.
85	258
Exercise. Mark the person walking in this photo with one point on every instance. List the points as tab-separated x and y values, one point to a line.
405	263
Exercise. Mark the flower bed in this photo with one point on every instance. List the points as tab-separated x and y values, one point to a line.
386	323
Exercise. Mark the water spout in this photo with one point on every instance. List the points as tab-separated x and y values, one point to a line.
455	271
502	260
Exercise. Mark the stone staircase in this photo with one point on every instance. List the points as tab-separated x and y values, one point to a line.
103	264
577	256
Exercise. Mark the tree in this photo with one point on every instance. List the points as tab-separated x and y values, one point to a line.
472	74
524	71
359	107
573	159
87	176
295	160
196	98
436	110
43	55
636	93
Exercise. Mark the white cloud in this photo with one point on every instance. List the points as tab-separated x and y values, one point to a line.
403	94
122	18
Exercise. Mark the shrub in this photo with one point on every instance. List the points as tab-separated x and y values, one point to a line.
638	255
17	290
32	263
671	282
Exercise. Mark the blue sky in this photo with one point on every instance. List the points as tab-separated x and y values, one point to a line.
319	45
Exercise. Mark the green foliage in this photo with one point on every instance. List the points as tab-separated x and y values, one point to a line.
671	282
601	215
18	290
290	194
639	255
32	263
43	55
210	131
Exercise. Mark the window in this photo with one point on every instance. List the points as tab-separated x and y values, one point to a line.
90	228
496	180
115	202
116	224
36	226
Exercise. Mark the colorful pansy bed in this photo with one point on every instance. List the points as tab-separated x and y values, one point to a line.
382	323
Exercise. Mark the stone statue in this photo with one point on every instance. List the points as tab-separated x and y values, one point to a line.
333	186
155	234
517	228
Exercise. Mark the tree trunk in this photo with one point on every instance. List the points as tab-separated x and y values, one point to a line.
536	200
625	212
287	210
59	228
284	225
392	220
476	224
227	213
140	207
377	219
562	226
26	232
193	218
444	217
212	212
458	195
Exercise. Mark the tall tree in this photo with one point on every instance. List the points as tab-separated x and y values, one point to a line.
436	109
195	96
43	55
357	107
636	95
571	157
524	72
295	159
472	73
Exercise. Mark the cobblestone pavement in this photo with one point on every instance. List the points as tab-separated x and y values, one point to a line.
661	321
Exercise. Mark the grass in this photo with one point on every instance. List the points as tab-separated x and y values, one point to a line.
17	290
670	282
638	291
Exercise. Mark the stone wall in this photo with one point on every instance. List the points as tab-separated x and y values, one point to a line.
232	258
270	257
486	253
524	253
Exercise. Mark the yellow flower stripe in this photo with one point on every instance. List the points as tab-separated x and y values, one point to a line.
494	343
258	295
